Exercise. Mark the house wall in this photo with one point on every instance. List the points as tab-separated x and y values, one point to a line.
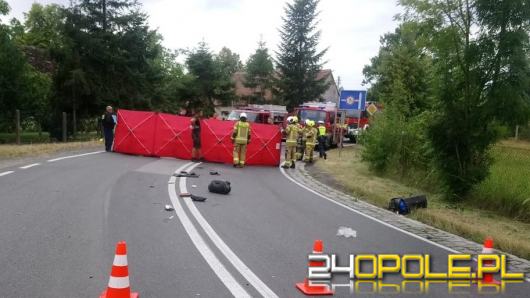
332	94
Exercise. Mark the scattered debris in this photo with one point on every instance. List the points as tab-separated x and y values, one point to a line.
194	186
184	194
167	219
151	186
186	175
220	187
197	198
346	232
403	206
214	173
169	208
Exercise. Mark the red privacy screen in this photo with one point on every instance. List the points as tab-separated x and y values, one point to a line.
166	135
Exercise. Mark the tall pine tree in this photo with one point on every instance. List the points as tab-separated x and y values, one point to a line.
299	59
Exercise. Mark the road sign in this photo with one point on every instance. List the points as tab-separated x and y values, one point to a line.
372	109
352	100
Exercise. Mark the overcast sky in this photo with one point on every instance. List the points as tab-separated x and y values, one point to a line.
350	28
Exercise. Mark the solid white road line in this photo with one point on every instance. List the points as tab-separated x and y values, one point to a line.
74	156
6	173
30	166
254	280
366	215
228	280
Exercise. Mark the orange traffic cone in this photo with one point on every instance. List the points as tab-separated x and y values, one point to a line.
315	290
119	286
488	278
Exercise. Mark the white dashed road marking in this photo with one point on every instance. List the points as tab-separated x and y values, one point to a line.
74	156
6	173
30	166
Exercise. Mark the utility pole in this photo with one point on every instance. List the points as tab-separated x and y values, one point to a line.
64	127
74	112
18	126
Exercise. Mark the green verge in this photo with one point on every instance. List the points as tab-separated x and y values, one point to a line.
25	137
19	151
44	137
478	217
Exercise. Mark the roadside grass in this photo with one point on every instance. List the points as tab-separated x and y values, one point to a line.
464	219
25	137
507	188
44	137
18	151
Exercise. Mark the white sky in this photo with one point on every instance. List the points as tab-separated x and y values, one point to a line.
350	28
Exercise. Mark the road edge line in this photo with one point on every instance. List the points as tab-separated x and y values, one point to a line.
366	215
527	279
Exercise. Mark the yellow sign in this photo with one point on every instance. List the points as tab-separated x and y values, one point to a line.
372	109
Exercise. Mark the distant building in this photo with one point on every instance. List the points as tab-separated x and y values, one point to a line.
244	94
332	93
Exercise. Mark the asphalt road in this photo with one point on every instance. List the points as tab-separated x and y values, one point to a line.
60	220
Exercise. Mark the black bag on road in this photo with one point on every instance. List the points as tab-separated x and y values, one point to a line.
220	187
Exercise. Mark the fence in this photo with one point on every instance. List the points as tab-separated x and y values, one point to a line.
26	128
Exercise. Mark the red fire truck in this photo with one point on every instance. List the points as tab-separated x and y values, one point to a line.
327	112
266	114
358	121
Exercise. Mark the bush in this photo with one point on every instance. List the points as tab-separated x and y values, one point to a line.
400	148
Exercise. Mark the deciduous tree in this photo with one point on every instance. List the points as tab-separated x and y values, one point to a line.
259	71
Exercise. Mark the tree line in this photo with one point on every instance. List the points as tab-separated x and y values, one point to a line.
453	77
93	53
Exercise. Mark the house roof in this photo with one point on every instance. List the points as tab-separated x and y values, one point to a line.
242	91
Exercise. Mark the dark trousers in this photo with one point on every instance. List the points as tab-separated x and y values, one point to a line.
322	146
109	138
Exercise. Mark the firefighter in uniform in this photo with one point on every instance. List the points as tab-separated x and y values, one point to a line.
292	132
311	137
300	147
241	138
322	139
